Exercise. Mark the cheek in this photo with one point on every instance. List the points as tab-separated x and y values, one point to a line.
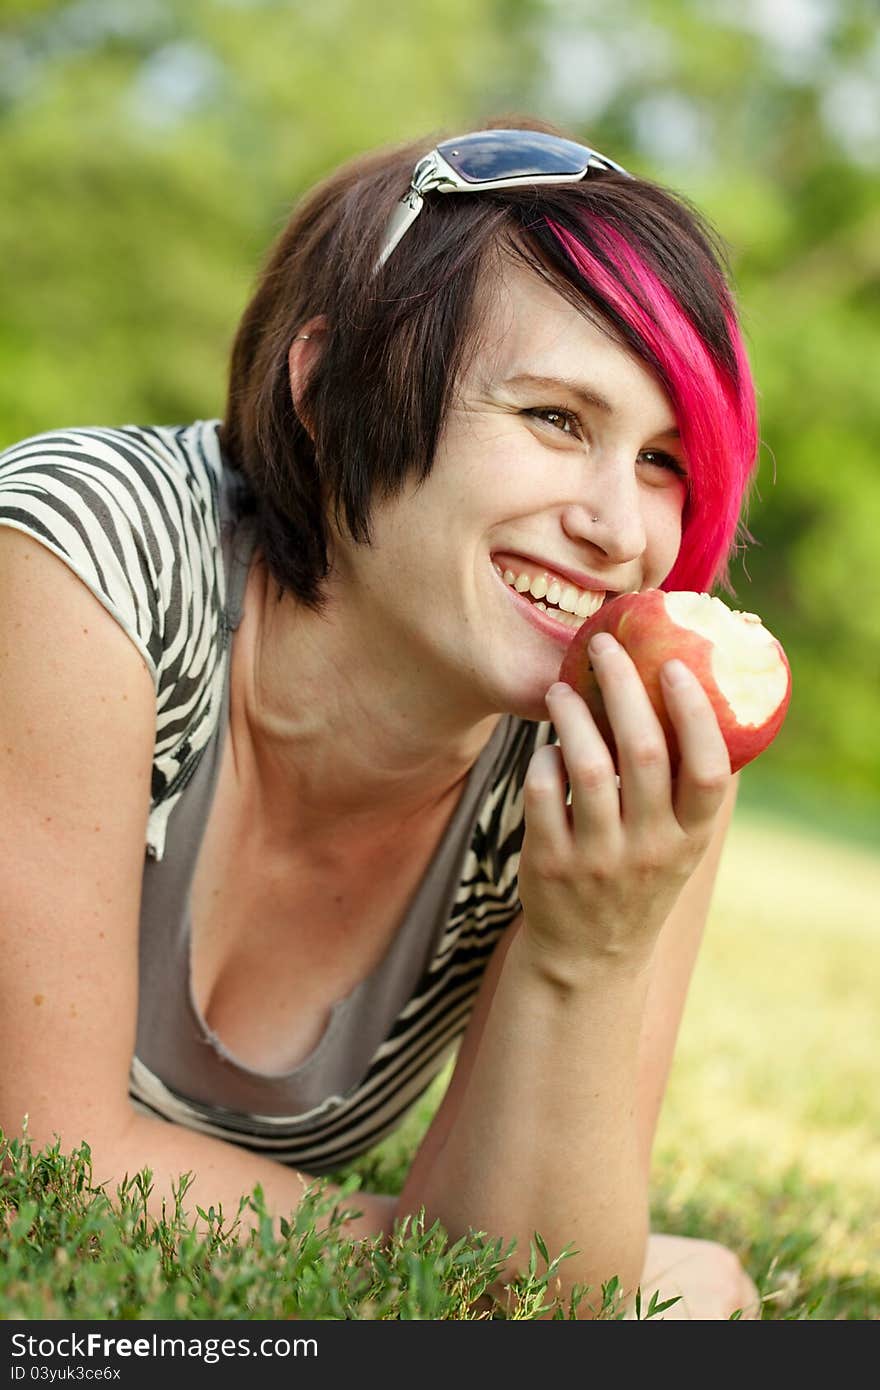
515	469
664	524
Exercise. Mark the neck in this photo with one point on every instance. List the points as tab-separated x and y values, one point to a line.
328	725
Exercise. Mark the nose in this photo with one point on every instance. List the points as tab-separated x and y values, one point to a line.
612	519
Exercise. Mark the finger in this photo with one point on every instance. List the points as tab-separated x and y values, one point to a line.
704	771
642	754
595	800
546	814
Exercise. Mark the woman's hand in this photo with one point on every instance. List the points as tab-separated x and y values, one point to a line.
597	879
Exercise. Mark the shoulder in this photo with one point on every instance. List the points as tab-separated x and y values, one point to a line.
161	477
183	449
132	510
486	899
518	741
499	828
136	512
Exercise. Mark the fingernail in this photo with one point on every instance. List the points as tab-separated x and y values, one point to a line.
602	642
676	673
560	688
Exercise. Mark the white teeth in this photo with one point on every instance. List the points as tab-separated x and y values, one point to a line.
588	603
570	619
568	599
567	619
571	602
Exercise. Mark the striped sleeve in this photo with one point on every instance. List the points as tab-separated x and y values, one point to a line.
133	512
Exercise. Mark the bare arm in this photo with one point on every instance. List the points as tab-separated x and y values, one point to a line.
222	1174
550	1116
77	720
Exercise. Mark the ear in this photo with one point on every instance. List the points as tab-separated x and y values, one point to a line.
302	354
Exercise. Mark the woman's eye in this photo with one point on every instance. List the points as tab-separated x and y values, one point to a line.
563	420
664	460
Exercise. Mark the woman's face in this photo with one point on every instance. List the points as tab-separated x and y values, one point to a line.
552	425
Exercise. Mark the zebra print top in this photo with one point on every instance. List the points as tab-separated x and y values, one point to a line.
138	514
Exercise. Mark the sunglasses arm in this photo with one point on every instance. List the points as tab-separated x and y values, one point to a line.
431	172
402	218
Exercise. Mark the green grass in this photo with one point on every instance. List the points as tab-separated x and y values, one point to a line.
69	1252
769	1141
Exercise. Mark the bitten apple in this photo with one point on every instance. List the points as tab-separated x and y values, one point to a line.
739	663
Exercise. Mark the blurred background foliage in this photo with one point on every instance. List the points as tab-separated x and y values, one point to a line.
150	151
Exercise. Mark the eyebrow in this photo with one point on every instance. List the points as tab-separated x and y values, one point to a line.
584	393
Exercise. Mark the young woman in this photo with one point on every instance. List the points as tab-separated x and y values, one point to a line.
294	803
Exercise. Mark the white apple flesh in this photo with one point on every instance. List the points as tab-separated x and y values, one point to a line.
740	664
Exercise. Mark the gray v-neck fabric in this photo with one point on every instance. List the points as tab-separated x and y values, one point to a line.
173	1040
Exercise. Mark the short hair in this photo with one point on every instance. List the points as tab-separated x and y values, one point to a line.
628	252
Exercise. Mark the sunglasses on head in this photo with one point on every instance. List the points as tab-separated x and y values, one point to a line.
492	159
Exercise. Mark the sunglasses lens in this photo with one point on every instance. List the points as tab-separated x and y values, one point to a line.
510	154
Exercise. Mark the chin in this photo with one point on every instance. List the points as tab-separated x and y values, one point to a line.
526	700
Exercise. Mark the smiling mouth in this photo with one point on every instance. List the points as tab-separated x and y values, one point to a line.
563	603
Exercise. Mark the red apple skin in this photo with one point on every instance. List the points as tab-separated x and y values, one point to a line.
643	627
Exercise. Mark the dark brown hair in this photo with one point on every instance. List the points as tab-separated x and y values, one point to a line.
397	340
